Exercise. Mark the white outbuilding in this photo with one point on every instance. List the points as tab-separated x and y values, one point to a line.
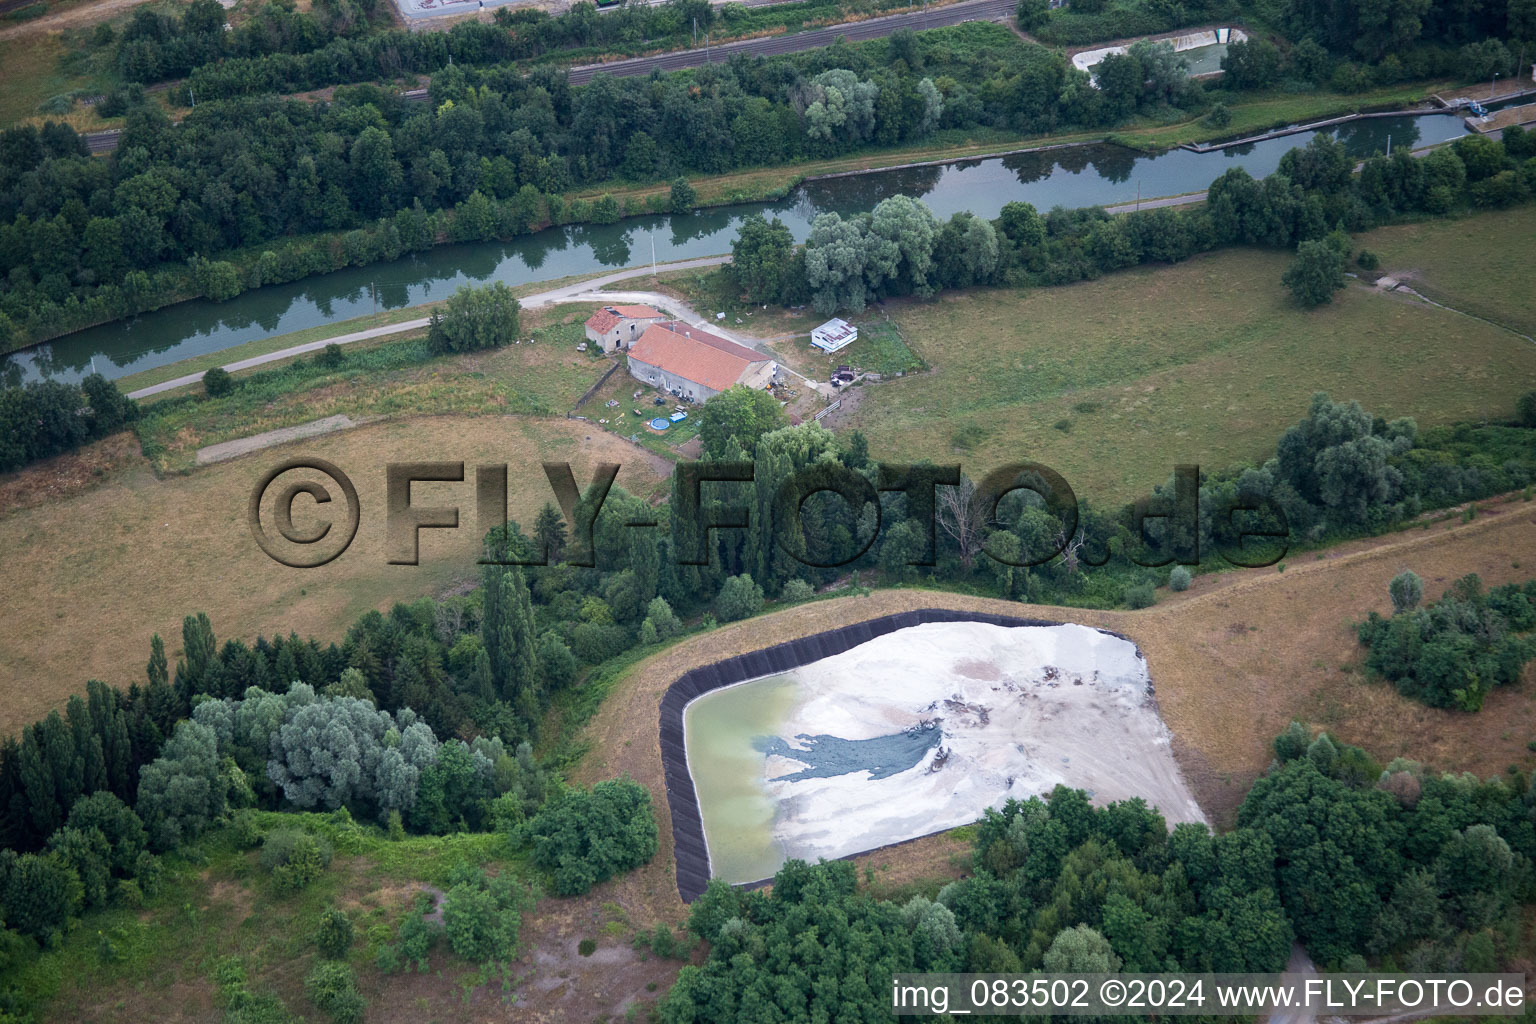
833	335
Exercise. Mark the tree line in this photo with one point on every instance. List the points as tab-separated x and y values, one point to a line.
156	45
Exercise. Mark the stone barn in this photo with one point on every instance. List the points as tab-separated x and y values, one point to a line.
614	327
692	363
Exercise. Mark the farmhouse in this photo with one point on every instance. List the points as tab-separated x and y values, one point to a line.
833	335
692	363
615	327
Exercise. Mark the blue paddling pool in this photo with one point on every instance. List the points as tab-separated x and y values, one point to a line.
660	423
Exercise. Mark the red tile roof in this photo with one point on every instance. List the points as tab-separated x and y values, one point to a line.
609	317
637	312
694	354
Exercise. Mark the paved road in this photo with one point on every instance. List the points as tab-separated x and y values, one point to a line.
874	28
568	293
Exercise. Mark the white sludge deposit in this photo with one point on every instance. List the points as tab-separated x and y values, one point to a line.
922	730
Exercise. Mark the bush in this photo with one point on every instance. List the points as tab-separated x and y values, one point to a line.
332	987
586	947
475	319
481	917
1406	590
331	356
334	935
244	831
1368	260
797	590
217	382
684	197
1219	117
587	837
1139	595
295	858
740	598
1179	579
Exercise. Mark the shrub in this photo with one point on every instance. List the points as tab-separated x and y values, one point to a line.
740	598
413	943
295	858
332	987
334	935
481	917
797	590
587	837
331	356
684	197
1406	590
244	831
1179	579
606	209
1219	117
1139	595
217	382
586	947
1526	409
1368	260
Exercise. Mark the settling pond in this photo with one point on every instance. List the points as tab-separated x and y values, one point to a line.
1071	177
921	730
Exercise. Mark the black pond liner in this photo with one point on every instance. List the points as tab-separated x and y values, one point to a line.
688	843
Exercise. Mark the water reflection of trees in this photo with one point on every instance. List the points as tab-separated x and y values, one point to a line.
609	243
1112	163
1364	137
859	192
699	224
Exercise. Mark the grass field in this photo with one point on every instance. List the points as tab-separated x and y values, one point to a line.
90	577
1112	382
1480	265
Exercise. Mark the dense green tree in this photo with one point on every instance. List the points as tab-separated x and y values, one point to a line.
183	791
1315	274
761	258
739	598
733	421
475	318
584	837
481	916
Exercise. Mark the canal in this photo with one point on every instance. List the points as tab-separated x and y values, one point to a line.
1070	177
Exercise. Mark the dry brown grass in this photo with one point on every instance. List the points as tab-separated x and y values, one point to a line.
1233	659
89	577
